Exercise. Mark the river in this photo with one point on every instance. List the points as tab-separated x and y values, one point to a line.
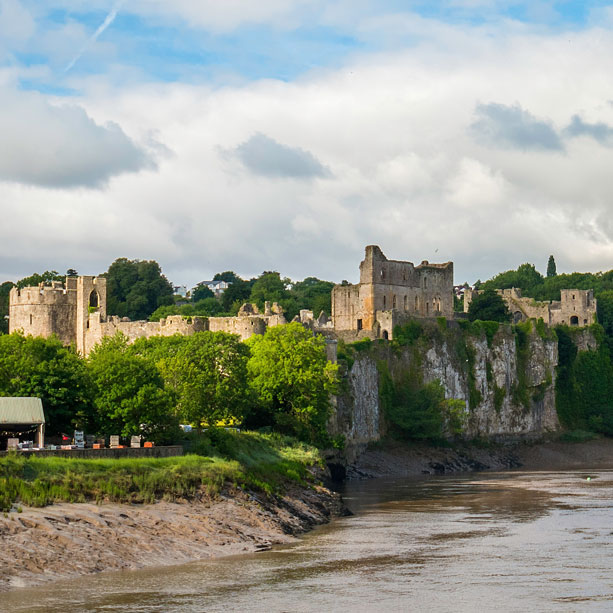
515	541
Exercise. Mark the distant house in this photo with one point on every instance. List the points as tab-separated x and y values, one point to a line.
23	419
217	287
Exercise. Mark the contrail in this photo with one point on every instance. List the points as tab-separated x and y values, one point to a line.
105	24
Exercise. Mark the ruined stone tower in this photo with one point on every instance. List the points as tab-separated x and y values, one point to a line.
389	292
58	308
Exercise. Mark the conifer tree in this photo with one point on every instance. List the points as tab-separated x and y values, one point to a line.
551	267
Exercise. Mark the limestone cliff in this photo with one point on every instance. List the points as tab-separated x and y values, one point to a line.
504	375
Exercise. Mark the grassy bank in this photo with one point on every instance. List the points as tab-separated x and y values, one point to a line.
252	460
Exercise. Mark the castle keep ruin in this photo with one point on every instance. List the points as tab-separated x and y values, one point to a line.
389	293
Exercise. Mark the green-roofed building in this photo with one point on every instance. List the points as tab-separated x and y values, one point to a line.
21	418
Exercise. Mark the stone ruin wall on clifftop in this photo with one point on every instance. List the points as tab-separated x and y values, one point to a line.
576	307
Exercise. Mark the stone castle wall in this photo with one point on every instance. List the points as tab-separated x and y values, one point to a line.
575	308
390	291
44	310
76	313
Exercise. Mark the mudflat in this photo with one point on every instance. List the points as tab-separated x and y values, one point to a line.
66	540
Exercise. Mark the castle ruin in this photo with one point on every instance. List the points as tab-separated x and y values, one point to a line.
389	293
576	307
75	311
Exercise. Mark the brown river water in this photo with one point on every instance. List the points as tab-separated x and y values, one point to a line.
514	541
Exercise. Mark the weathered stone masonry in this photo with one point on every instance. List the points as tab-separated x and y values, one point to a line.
389	293
76	313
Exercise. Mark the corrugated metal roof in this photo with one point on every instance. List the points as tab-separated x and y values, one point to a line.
21	411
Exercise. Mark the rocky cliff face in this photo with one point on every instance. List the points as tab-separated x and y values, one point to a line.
507	384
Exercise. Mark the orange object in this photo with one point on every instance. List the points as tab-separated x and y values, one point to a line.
148	444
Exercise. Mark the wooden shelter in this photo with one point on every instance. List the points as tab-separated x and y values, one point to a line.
20	418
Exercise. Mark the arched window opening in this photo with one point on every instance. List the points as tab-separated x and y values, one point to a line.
94	300
394	301
385	335
574	320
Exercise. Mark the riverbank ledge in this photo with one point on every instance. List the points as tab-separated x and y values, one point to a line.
403	460
67	540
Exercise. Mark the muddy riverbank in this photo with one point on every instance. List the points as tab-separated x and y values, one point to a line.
67	540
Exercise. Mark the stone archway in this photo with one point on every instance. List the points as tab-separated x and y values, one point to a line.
94	300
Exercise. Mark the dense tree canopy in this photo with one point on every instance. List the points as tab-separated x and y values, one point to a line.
293	380
488	306
44	368
200	292
36	278
136	288
129	393
313	294
5	289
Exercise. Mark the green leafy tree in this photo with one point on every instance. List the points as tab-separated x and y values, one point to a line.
207	372
313	294
292	380
71	272
422	412
130	397
136	288
36	278
551	267
45	369
229	276
200	292
488	306
235	295
5	290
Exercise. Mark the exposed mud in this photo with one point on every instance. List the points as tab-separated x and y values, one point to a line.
65	540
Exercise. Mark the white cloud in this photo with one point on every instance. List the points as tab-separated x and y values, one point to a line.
61	146
394	131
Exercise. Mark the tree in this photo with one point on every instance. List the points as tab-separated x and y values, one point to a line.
207	372
136	288
526	278
36	278
293	380
229	276
313	294
200	292
5	290
44	368
551	267
488	306
71	272
130	397
236	294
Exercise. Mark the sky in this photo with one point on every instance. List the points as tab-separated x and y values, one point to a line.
289	134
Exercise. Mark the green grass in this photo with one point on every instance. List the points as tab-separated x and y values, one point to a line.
252	460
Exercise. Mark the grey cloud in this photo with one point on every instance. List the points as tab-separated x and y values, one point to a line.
513	127
600	132
265	156
61	147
